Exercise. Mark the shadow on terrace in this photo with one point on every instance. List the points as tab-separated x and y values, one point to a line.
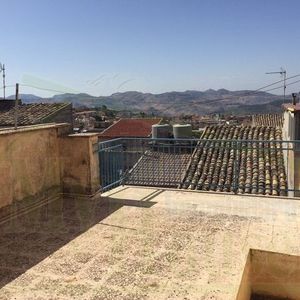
27	239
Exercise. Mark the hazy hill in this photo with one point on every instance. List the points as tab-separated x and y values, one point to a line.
26	97
174	103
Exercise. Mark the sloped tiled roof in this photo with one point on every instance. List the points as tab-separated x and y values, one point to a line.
156	168
130	128
29	114
274	120
256	168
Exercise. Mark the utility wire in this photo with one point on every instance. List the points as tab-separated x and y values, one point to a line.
209	101
204	99
44	89
8	86
280	87
273	89
252	92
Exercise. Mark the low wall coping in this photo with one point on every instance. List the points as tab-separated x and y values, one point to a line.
11	130
82	135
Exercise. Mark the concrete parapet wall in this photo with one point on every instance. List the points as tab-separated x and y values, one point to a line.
80	164
290	132
270	274
29	163
36	161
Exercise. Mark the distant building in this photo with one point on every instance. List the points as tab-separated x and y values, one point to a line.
34	113
139	128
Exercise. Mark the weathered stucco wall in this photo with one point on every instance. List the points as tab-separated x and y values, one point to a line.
275	274
244	292
270	274
40	161
80	164
290	132
29	163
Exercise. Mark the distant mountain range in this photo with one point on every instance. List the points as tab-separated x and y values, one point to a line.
174	103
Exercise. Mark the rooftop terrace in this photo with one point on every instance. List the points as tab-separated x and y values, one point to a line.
141	243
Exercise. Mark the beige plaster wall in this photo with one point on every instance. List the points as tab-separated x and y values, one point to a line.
41	161
292	155
80	164
29	163
244	292
270	274
275	274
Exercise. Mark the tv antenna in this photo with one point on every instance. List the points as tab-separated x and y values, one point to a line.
2	69
282	72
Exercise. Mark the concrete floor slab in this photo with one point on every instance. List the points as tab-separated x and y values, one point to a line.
142	243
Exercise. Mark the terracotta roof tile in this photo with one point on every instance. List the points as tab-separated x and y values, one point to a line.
274	120
130	128
29	114
256	168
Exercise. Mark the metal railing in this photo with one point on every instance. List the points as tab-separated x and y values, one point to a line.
237	166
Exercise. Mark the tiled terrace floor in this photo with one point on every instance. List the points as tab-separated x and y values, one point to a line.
139	243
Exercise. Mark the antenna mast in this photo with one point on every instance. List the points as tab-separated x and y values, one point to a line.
2	69
282	72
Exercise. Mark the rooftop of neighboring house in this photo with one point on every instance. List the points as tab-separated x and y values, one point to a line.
292	107
215	165
86	112
29	114
130	128
159	169
253	169
274	120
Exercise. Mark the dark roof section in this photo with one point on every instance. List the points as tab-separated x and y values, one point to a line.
130	128
29	114
274	120
6	104
260	168
161	169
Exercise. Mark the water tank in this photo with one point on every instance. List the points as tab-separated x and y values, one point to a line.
182	131
161	131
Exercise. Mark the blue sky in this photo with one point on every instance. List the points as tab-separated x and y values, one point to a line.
107	46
